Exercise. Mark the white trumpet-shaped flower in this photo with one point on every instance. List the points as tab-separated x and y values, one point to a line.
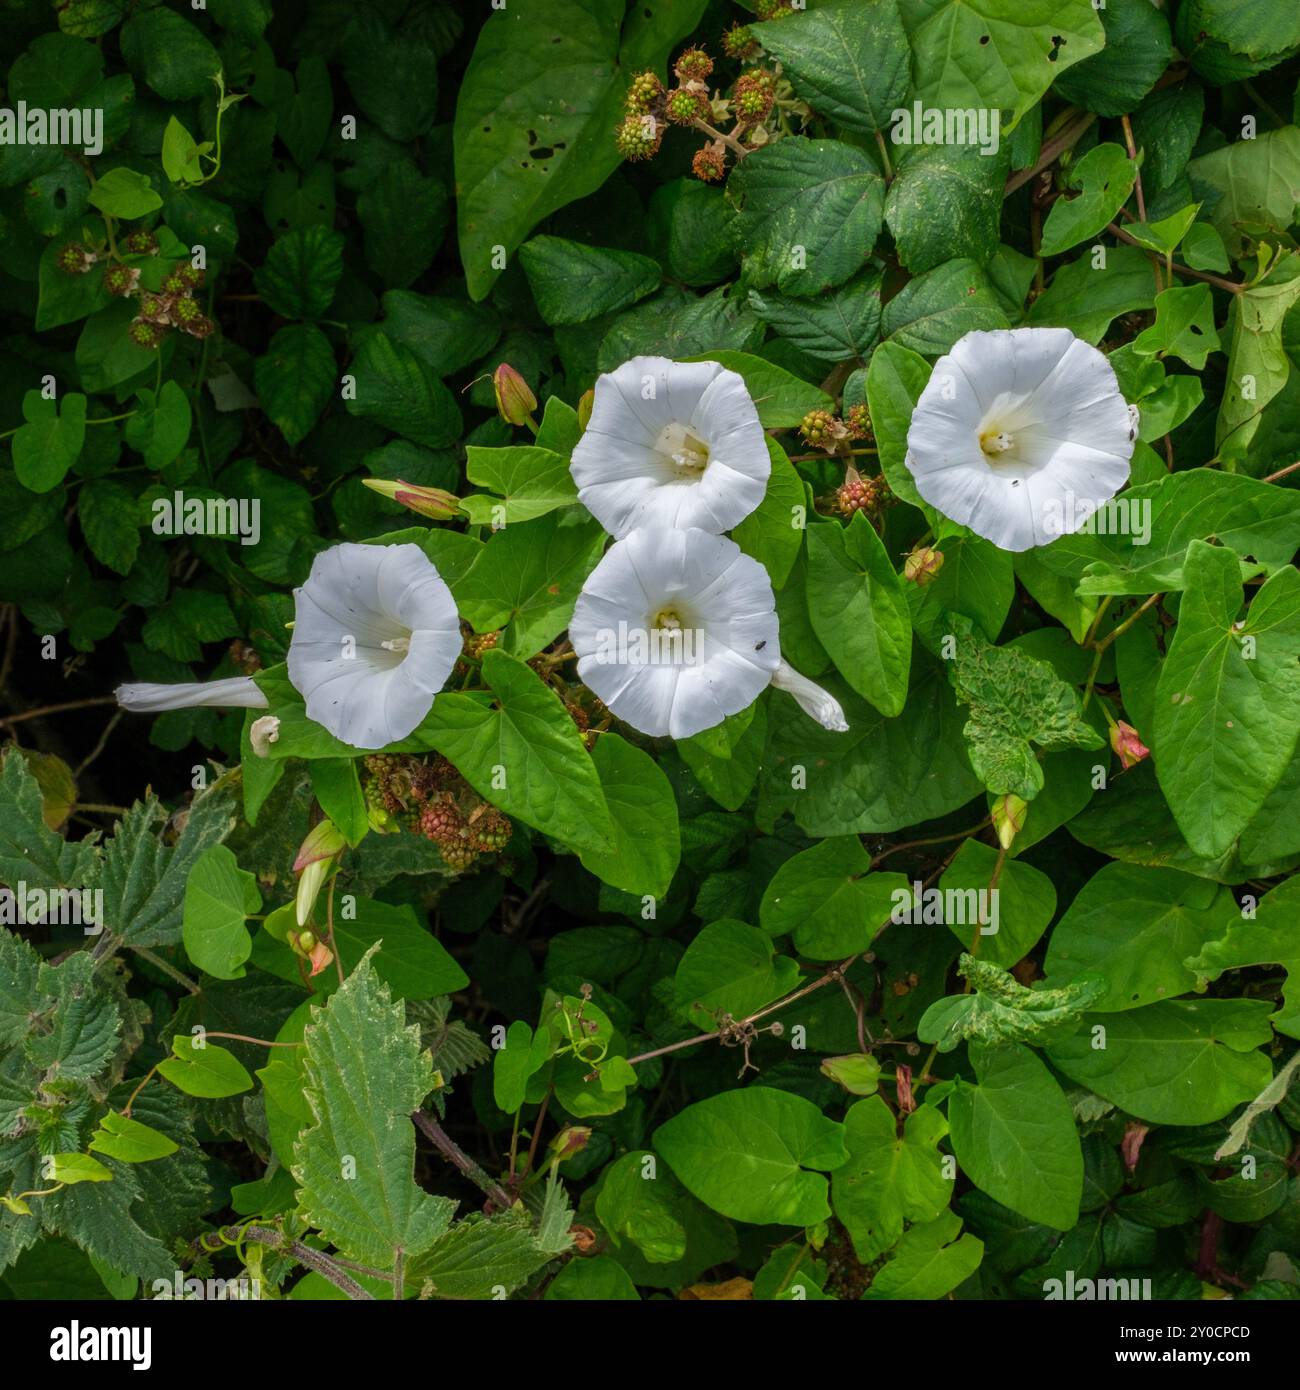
375	636
671	444
1021	434
234	692
676	629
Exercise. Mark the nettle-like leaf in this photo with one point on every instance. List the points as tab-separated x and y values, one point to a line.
1002	1010
1016	702
19	969
144	879
482	1258
77	1030
355	1166
30	852
809	215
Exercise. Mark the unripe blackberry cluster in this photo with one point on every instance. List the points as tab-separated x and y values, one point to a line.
739	43
857	420
754	95
694	65
687	104
639	136
476	644
818	428
75	259
121	279
710	163
432	799
159	312
863	495
773	9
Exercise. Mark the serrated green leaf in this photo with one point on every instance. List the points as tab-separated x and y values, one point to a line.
574	283
848	61
77	1031
810	212
355	1166
144	879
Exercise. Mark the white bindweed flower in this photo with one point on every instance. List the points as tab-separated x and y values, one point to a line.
671	444
676	629
1021	434
235	692
375	636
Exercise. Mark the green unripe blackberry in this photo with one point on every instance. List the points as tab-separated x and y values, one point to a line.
644	91
639	137
145	334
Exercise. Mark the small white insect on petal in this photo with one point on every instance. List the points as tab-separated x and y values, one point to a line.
375	636
1021	434
671	444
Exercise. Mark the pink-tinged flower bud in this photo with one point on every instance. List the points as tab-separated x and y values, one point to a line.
515	400
1127	744
585	404
922	566
322	847
307	945
1009	818
432	502
858	1072
572	1139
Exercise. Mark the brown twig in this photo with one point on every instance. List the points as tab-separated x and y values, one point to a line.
1230	285
57	709
314	1259
1049	153
460	1160
1281	473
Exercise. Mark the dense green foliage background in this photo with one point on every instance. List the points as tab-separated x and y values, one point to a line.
407	194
